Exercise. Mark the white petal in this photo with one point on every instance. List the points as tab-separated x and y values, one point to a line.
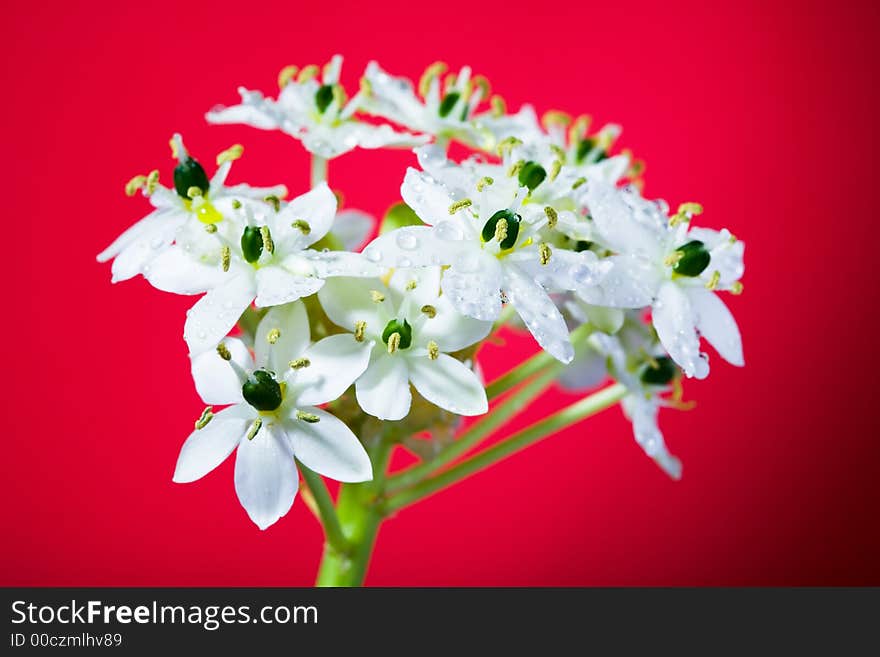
449	384
382	136
317	207
149	243
539	313
629	282
429	199
716	323
276	285
266	479
152	223
353	227
254	111
335	363
327	264
348	301
626	222
643	414
207	448
215	379
674	320
211	318
329	447
413	246
177	272
383	390
473	285
292	322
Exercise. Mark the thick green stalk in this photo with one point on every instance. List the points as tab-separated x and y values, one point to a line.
477	432
326	510
571	414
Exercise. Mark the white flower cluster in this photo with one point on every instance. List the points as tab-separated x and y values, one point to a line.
541	222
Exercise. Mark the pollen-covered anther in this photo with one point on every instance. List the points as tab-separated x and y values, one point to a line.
736	287
552	216
274	201
236	204
515	168
231	154
555	168
268	244
579	128
673	258
204	418
223	352
255	429
433	350
377	296
366	87
308	73
393	342
286	74
136	183
412	285
339	95
577	183
685	212
556	118
225	255
273	335
459	205
210	228
501	230
712	283
302	226
499	107
544	252
482	182
507	144
481	82
193	192
152	181
434	70
299	363
429	310
311	418
359	327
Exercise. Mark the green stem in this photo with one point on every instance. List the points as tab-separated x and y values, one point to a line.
326	510
574	413
359	517
477	432
319	170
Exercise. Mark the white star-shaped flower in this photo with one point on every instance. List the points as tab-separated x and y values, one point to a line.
490	238
313	108
272	417
660	263
193	201
407	329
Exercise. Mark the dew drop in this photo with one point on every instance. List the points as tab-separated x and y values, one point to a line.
407	241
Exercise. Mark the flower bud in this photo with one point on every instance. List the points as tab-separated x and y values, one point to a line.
189	173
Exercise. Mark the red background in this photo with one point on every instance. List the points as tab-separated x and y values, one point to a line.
763	112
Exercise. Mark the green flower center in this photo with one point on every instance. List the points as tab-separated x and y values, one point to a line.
252	244
694	259
513	220
448	103
187	174
403	329
323	97
531	175
262	391
662	374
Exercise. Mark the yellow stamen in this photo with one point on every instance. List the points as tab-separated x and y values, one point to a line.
223	351
204	418
499	107
311	418
555	118
339	95
507	144
175	152
359	327
236	204
579	128
133	185
544	252
268	244
480	82
286	74
393	342
225	254
552	216
211	228
692	209
501	230
274	201
255	429
481	183
555	168
302	226
412	285
458	205
273	335
377	296
433	350
577	183
435	69
231	154
152	181
299	363
736	288
308	73
712	283
515	168
429	310
366	87
673	258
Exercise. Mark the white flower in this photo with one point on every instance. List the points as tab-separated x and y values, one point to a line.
268	262
314	111
492	245
446	108
272	419
194	200
407	328
676	271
